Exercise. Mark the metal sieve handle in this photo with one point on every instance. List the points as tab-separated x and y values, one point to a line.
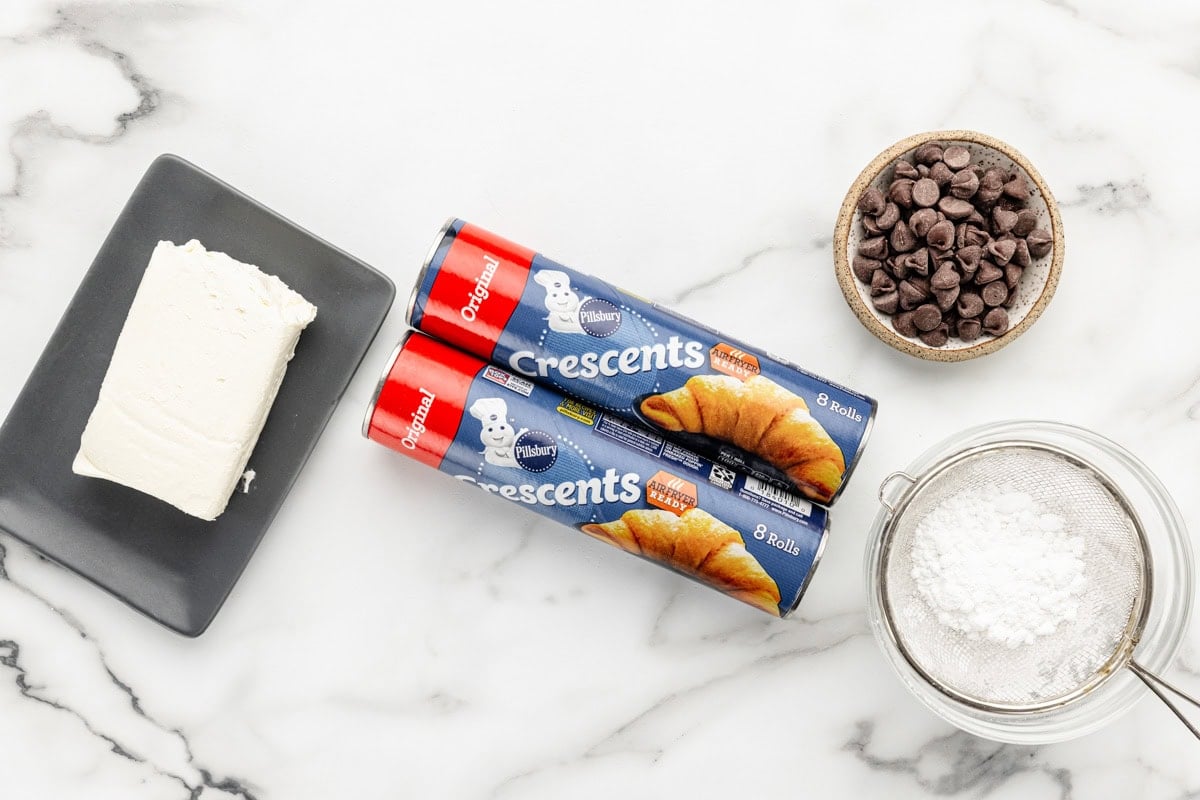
1156	684
888	481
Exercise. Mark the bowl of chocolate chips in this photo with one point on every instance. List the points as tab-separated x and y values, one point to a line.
949	245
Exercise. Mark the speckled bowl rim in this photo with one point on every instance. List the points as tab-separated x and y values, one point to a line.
847	281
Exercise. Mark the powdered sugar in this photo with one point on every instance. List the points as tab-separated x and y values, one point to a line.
993	564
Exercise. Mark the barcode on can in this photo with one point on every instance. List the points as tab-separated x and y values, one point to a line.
767	491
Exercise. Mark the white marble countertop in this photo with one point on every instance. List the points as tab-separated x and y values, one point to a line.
395	638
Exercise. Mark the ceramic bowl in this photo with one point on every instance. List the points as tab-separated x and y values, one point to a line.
1037	284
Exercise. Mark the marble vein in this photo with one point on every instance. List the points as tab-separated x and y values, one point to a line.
820	637
1111	198
10	657
688	290
1075	13
78	24
959	763
381	680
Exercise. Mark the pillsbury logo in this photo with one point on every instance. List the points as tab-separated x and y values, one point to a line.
599	318
536	451
568	314
506	446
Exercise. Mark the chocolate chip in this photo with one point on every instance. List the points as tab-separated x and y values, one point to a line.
922	171
871	201
904	169
1007	202
996	322
1003	220
881	283
871	226
941	235
944	278
964	184
936	337
960	234
903	323
977	237
1026	222
902	239
864	268
946	297
927	317
993	178
921	283
941	174
956	156
911	295
901	192
887	303
977	220
1002	251
969	329
928	153
918	261
1017	188
955	207
1039	241
939	258
995	293
968	257
875	247
1021	254
987	273
925	192
991	186
888	218
970	305
921	221
1012	275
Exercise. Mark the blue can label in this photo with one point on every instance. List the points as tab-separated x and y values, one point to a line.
739	406
601	474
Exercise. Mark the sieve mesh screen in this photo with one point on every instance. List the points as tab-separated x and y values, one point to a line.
1080	652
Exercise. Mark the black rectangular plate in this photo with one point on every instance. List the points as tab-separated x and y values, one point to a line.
175	568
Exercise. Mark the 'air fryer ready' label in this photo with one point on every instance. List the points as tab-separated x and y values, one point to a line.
599	473
555	326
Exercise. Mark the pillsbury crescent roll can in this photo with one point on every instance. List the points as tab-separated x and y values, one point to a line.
736	405
614	480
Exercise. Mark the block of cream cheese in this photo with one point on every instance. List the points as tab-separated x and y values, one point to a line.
192	379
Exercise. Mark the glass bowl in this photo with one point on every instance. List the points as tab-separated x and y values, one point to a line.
1172	587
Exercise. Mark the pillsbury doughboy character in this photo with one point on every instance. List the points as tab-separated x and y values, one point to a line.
497	435
561	301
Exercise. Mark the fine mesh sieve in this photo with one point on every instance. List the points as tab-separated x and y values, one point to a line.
1080	655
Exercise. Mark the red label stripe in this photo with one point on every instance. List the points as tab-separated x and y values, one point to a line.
423	399
477	287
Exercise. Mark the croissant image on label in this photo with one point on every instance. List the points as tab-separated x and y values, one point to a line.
761	417
697	544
